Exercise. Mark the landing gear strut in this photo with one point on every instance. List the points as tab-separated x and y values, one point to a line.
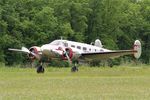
75	68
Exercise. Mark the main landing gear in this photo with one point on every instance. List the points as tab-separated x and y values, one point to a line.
40	68
74	68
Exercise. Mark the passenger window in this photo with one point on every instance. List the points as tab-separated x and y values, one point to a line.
73	46
84	48
78	47
101	50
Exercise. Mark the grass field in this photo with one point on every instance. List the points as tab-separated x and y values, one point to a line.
117	83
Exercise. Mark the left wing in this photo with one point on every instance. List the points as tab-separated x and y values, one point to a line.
106	55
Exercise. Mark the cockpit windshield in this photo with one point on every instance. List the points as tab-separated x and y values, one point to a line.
57	42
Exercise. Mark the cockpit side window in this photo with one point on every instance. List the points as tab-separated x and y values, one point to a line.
73	46
66	44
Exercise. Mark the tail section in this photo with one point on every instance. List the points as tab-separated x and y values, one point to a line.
98	43
137	47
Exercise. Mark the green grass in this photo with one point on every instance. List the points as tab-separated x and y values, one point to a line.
118	83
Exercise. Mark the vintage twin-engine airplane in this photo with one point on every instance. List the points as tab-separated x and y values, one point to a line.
68	50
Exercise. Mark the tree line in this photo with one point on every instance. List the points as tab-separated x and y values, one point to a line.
117	23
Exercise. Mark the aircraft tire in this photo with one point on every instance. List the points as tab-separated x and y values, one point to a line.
74	69
110	65
40	69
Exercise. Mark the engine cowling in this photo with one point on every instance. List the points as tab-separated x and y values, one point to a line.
69	53
35	50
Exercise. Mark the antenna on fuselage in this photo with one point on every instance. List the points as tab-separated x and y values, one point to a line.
61	37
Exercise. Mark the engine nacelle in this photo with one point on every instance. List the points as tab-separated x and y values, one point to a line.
36	50
69	53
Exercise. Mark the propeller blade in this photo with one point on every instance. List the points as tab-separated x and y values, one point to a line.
69	60
25	49
62	47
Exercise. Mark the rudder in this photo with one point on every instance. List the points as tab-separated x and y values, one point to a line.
137	47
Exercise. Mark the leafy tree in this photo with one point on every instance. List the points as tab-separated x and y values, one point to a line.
34	22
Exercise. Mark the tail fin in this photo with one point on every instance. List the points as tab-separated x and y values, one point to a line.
137	47
98	43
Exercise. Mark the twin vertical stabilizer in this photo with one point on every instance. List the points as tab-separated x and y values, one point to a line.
137	47
98	43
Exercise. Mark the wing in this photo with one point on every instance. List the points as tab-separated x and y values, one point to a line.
106	54
23	49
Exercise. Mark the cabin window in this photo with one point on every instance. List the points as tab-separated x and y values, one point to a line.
78	47
73	46
90	49
84	48
95	49
101	50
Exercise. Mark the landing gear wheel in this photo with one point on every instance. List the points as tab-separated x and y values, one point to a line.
40	69
74	69
110	65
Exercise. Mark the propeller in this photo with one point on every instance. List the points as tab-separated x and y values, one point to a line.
25	50
66	54
69	60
